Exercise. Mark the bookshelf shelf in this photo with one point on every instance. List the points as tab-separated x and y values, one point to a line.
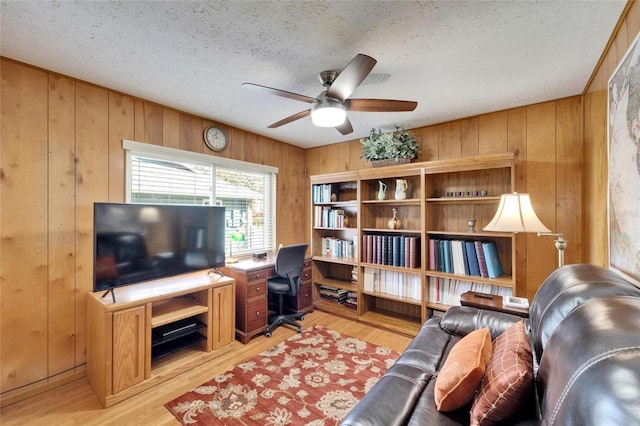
501	281
392	297
432	209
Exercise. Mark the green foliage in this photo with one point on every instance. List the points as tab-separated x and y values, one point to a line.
392	145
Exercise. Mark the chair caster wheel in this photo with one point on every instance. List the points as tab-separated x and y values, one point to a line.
267	334
299	330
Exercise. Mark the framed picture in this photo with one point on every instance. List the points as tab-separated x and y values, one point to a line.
624	165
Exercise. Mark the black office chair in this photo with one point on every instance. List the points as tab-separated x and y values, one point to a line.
289	265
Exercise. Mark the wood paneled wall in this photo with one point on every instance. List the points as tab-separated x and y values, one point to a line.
61	151
547	141
595	138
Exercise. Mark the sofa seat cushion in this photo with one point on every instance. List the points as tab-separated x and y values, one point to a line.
462	371
508	379
392	399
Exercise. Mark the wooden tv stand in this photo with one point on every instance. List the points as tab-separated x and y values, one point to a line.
155	331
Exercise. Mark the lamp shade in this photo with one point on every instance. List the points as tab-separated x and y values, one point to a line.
515	214
327	112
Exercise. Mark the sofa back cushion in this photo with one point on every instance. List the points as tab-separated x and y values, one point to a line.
565	289
462	371
590	370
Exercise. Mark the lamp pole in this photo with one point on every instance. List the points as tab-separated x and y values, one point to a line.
561	244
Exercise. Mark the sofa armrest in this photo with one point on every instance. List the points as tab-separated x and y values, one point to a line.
462	320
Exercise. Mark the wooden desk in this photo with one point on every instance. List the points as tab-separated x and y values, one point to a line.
470	298
252	301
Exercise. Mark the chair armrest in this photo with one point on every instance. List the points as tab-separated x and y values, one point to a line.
462	320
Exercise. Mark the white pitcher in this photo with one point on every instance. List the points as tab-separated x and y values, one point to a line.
401	189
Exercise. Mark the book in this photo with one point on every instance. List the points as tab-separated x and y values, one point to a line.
448	261
432	254
494	267
472	259
482	264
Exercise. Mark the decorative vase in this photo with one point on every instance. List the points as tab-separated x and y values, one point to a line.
471	223
382	190
394	222
401	189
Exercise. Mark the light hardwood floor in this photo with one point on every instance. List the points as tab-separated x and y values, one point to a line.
76	404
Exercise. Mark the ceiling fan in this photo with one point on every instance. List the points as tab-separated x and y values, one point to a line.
329	108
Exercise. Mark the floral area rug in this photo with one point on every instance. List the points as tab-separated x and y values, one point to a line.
313	378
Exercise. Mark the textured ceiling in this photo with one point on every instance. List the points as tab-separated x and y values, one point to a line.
456	59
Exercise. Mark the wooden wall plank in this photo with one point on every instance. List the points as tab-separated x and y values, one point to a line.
492	134
470	136
517	143
569	151
191	133
61	224
541	186
290	215
430	145
170	128
449	140
148	122
92	172
121	126
23	226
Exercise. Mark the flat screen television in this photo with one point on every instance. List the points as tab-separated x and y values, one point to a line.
141	242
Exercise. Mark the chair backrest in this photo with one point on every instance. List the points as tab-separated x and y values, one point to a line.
290	263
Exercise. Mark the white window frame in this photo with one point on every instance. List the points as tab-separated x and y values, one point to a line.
145	149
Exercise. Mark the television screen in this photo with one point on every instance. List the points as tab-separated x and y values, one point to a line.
141	242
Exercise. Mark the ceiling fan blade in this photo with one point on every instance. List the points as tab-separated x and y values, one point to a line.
289	119
282	93
346	127
350	77
379	105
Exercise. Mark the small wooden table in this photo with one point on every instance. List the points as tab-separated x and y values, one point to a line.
490	302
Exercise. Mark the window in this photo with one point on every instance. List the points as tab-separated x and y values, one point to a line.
170	176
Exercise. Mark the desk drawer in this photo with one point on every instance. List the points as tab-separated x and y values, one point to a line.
257	313
304	298
261	275
256	289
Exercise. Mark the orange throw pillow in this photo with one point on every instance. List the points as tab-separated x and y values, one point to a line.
508	379
462	371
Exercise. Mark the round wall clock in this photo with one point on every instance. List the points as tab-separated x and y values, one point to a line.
215	138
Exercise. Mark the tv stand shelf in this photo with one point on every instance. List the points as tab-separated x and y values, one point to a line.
157	330
177	308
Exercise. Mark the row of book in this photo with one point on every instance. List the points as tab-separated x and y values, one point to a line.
394	283
392	250
322	193
473	258
335	247
447	291
327	217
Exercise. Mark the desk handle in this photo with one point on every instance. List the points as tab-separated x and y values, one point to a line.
257	288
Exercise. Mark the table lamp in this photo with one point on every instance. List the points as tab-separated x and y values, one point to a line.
238	237
515	214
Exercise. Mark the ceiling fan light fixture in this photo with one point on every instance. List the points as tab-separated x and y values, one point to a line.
327	112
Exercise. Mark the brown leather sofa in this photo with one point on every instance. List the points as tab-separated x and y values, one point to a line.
584	331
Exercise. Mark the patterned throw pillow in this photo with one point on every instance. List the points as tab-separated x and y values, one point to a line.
462	371
508	378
